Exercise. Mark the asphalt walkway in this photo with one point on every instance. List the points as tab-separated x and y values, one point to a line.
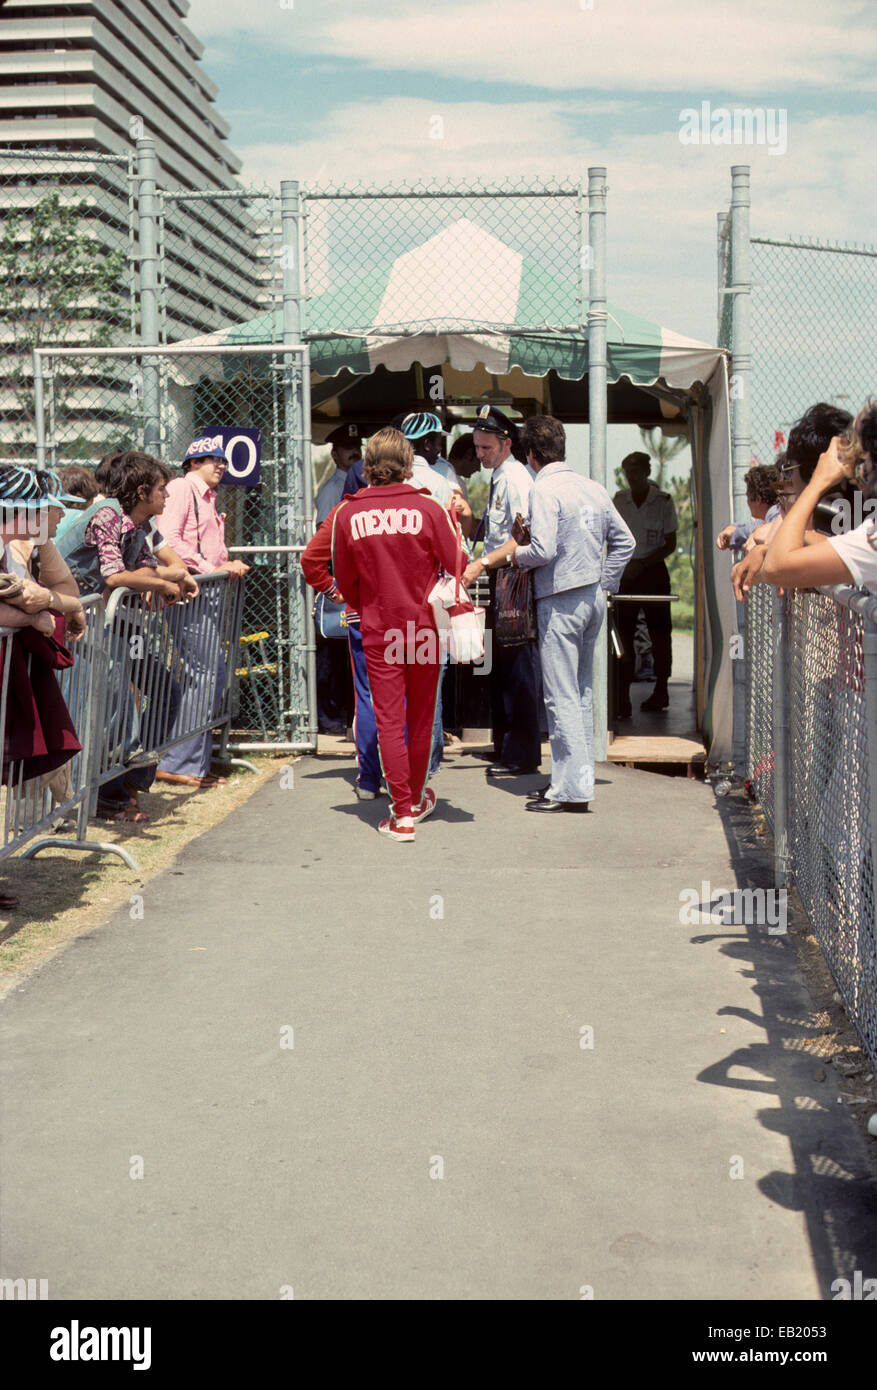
514	1072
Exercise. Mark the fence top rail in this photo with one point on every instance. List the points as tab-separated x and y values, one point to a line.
857	600
559	189
117	596
211	194
813	244
175	350
66	156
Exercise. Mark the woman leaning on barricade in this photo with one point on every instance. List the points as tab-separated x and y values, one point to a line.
793	563
41	612
389	542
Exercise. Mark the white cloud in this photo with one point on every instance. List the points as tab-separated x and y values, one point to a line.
663	196
742	47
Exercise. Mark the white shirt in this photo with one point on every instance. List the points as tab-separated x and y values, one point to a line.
329	494
436	484
651	522
449	473
858	550
511	486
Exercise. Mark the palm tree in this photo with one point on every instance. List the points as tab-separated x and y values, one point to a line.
662	450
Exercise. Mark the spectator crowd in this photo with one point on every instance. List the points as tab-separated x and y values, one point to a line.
81	532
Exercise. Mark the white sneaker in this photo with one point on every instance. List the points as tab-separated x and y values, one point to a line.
364	795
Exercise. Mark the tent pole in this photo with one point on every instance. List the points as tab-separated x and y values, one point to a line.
298	476
597	413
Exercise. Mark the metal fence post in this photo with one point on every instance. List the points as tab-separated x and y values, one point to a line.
39	408
869	651
147	173
298	430
781	740
597	411
741	336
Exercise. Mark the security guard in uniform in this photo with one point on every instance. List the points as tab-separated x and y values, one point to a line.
515	682
346	443
651	516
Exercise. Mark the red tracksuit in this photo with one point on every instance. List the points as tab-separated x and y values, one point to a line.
388	545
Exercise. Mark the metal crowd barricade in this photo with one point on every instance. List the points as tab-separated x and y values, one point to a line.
147	676
812	750
174	668
34	804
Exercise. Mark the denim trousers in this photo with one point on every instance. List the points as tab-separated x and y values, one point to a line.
569	626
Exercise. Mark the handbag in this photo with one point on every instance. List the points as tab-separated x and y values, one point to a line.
457	617
330	618
50	650
514	598
514	621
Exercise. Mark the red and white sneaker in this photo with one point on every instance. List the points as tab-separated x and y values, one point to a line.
426	807
402	830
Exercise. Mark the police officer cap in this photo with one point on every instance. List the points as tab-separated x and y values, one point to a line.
492	421
346	434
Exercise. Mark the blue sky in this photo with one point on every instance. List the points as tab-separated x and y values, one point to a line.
337	90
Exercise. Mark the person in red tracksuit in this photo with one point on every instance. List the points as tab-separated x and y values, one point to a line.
389	542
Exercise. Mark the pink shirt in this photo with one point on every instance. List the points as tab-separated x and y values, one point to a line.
191	524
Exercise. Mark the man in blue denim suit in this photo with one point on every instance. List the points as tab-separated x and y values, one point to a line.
571	521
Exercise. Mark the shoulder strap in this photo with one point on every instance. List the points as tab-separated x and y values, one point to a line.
194	492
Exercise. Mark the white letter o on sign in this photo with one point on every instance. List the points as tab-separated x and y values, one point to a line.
229	456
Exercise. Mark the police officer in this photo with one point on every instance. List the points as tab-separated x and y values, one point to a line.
346	443
571	518
335	699
651	516
514	675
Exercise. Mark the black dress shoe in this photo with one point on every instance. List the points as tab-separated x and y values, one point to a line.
658	700
553	807
540	793
510	770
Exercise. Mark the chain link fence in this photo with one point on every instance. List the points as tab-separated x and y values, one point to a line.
760	621
140	264
200	392
218	259
811	718
521	250
814	332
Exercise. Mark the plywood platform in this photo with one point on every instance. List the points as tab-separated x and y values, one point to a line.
656	748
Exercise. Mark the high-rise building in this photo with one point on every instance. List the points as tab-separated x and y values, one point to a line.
87	77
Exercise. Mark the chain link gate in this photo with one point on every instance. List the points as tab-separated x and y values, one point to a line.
260	388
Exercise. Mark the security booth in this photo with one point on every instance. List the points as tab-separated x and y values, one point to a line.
456	303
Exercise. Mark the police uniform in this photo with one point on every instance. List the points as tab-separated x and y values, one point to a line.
515	678
329	494
335	694
571	518
650	524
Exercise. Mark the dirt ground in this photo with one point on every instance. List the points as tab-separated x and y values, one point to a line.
66	892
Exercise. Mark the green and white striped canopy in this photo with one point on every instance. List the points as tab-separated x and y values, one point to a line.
465	297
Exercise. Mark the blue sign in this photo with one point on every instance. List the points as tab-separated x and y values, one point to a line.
243	453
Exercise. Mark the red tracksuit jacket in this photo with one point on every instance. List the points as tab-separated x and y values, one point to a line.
317	557
388	544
